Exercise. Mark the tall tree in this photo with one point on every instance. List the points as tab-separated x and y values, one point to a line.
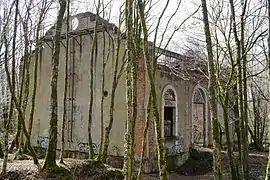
7	120
50	159
129	46
65	86
212	86
93	61
151	70
118	69
45	5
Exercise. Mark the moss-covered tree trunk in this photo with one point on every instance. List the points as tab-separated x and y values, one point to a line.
129	89
105	58
11	81
65	88
93	60
237	124
244	123
226	107
7	119
212	86
116	76
136	56
240	55
23	81
50	159
41	16
151	70
25	87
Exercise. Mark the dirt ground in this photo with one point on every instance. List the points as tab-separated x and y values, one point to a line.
192	169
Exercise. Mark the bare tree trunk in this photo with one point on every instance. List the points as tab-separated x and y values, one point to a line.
151	70
26	59
50	159
104	62
65	88
37	52
92	71
212	93
116	76
10	114
244	125
129	90
12	88
234	172
242	121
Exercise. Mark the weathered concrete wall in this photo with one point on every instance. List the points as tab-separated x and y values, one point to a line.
79	78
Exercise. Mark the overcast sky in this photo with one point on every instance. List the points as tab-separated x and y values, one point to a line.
187	7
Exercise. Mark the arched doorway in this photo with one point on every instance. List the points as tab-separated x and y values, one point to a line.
199	119
169	113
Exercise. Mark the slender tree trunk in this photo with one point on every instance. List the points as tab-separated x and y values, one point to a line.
116	77
239	43
7	120
65	88
228	138
151	69
92	71
24	100
33	99
135	65
104	62
212	93
128	159
244	124
11	84
237	129
50	159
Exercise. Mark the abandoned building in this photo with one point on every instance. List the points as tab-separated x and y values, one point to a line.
181	89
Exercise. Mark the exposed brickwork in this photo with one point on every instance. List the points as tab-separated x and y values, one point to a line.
141	98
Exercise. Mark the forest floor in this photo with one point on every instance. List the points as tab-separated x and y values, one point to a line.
193	169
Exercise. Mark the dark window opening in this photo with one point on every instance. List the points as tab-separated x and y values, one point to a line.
168	121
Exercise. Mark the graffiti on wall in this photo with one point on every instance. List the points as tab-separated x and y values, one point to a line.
83	147
43	141
175	149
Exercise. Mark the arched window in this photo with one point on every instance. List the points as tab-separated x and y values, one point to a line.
169	113
198	97
199	117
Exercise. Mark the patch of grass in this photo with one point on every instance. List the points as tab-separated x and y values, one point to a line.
58	172
96	170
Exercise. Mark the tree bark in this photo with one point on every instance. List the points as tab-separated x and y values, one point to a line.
65	88
151	70
50	159
212	86
93	58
